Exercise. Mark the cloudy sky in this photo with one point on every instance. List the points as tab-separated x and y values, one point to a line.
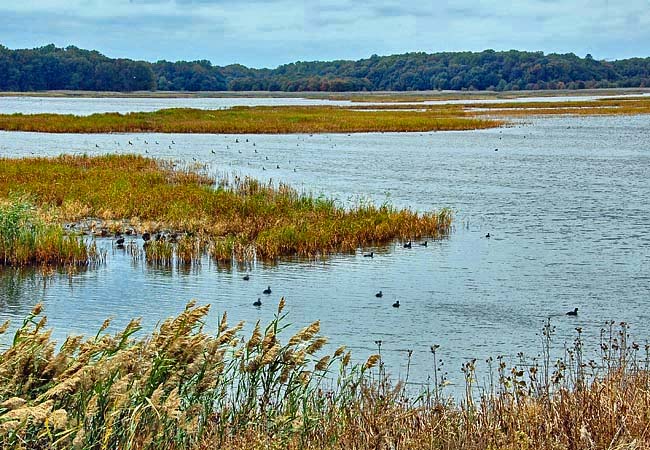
266	33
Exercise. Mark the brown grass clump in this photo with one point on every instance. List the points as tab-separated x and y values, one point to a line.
238	218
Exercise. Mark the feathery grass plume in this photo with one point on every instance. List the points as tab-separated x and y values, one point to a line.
305	334
371	361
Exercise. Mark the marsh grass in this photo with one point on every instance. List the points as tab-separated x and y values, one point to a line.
25	239
242	120
184	387
231	218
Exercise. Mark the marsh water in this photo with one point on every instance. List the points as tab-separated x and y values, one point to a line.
565	200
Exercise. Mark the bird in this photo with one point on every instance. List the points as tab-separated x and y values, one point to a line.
396	304
119	241
379	294
425	243
573	313
213	152
487	236
369	255
258	302
267	291
130	143
407	245
247	277
277	166
146	236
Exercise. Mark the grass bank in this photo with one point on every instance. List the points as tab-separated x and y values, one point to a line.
25	239
238	217
182	387
262	119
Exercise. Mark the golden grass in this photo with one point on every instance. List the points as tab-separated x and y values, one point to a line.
182	387
609	107
271	120
25	239
233	219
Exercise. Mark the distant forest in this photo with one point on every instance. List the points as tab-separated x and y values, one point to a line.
71	68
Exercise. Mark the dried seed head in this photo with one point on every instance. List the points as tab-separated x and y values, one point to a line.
316	345
4	327
322	363
255	339
339	351
281	305
371	362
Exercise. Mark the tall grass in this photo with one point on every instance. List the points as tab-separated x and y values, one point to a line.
26	240
182	387
259	119
242	218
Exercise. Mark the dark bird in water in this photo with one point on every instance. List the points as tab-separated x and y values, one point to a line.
120	241
496	149
258	302
96	146
247	277
408	244
277	166
425	243
379	294
396	304
369	255
146	237
487	236
267	158
246	139
213	152
236	141
173	142
573	313
130	143
267	291
263	168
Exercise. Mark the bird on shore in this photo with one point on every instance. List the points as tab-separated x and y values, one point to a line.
146	236
396	304
258	302
267	291
369	255
379	294
573	313
246	277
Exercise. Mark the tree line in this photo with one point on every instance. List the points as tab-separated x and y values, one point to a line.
71	68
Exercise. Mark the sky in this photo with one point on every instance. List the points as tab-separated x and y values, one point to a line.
267	33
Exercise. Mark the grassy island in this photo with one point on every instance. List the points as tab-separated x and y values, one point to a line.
238	218
260	119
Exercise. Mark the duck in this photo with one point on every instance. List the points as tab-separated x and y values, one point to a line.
258	302
573	313
146	236
425	244
369	255
267	291
487	236
379	294
396	304
119	241
408	244
247	277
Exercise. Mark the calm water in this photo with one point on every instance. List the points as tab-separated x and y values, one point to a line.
565	200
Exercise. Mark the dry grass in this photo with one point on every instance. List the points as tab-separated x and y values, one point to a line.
237	218
182	387
609	107
270	120
25	239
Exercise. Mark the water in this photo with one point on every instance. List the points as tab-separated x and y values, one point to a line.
564	199
84	106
